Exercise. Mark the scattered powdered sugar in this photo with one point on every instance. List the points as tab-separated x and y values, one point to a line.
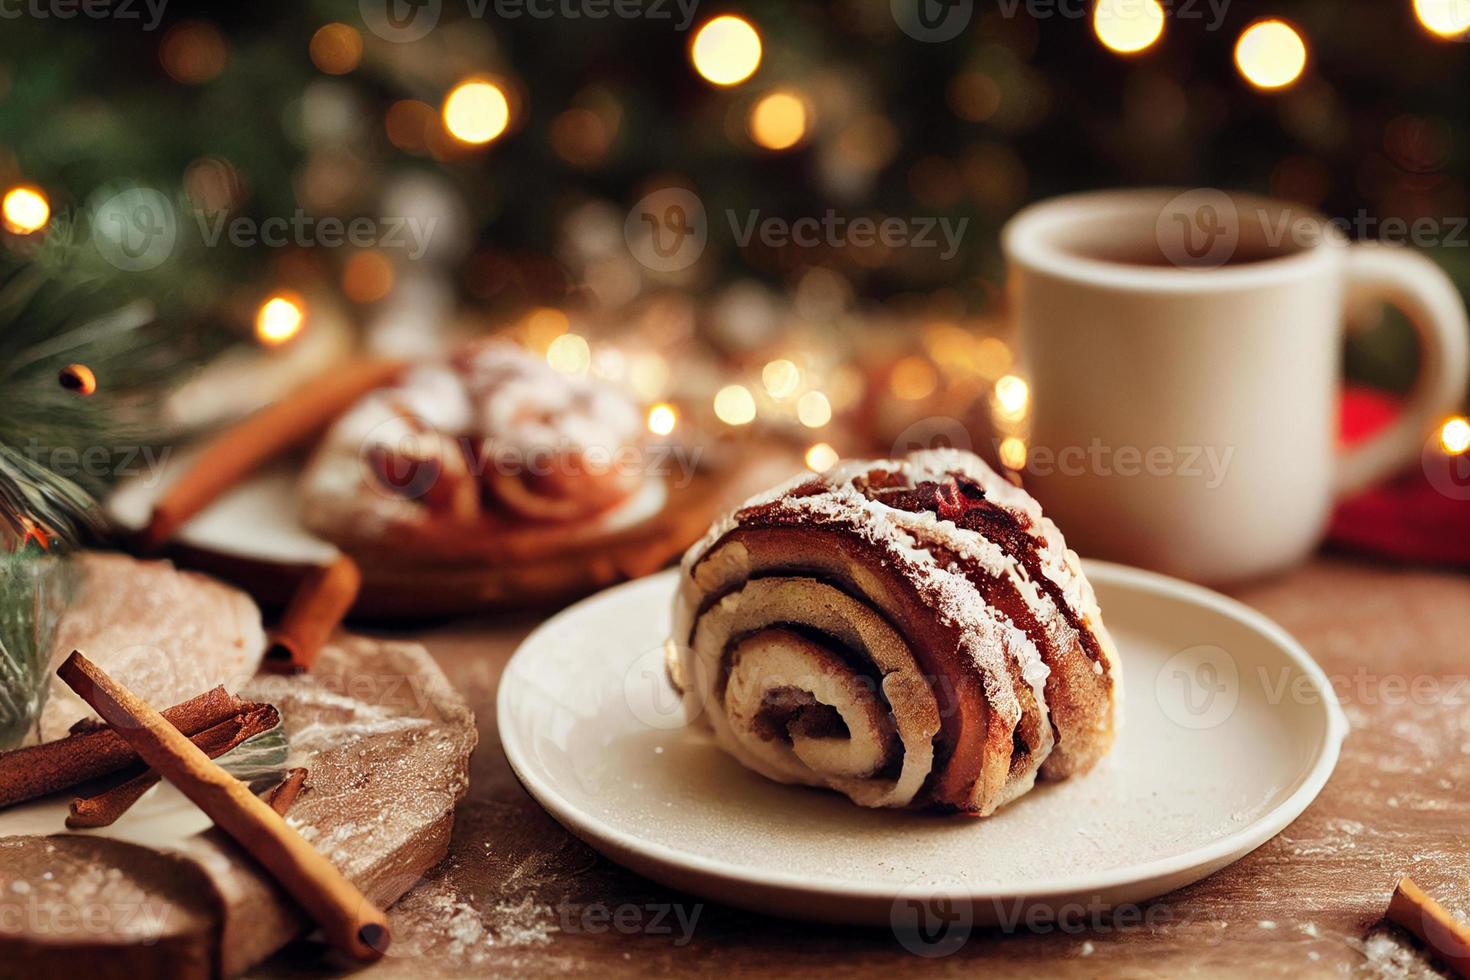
446	926
1389	956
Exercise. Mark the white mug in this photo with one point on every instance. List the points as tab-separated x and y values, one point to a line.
1184	356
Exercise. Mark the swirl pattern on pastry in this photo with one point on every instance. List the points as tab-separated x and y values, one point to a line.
491	440
908	633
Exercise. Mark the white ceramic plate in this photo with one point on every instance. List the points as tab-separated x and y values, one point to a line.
1229	730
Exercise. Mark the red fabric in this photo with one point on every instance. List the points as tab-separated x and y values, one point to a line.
1409	518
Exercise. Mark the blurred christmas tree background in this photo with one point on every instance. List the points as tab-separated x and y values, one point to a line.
498	152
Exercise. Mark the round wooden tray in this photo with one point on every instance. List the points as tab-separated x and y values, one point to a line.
252	536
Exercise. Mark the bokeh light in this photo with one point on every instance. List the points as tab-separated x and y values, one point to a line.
1454	435
813	410
781	377
662	418
1128	26
1444	18
476	112
735	405
408	122
192	52
1011	396
569	354
778	121
25	210
913	378
1271	54
336	48
367	277
543	325
726	50
1012	453
581	137
821	457
280	318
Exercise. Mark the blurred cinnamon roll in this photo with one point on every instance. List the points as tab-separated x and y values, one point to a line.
491	448
909	633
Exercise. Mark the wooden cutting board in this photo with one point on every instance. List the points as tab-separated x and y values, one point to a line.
387	741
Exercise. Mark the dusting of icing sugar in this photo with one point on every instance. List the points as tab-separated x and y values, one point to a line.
451	929
955	600
1388	956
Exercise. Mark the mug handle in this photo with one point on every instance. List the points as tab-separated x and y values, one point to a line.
1411	282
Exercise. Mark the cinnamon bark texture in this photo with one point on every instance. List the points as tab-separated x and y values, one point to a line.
1446	937
350	922
284	793
286	425
103	809
316	609
40	770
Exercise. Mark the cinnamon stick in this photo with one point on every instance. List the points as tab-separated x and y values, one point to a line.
104	808
284	793
349	920
40	770
1446	936
316	609
240	450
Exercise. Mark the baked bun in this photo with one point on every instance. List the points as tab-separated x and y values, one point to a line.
491	454
906	632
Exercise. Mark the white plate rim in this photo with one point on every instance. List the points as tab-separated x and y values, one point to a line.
1218	853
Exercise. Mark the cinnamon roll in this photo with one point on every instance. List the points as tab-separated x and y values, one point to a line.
909	633
488	454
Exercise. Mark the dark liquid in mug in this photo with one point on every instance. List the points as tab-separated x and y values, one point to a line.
1151	256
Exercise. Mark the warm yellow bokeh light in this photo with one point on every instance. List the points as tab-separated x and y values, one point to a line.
1011	395
778	121
1454	436
1012	453
279	319
781	378
726	51
821	457
1271	54
1128	26
735	405
543	325
813	410
662	418
913	378
648	374
569	354
25	210
1443	18
476	112
336	48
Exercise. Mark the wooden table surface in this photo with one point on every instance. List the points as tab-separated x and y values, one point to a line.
519	896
